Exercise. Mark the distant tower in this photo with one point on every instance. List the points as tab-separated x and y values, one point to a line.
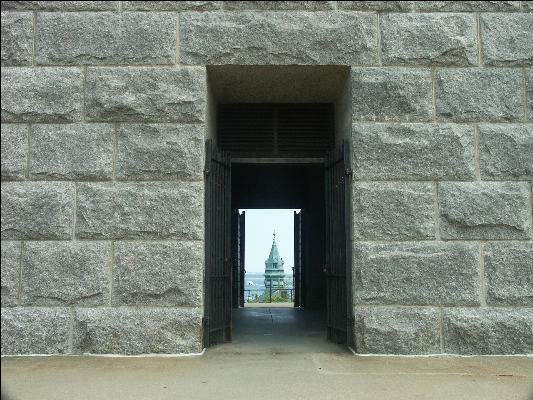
274	268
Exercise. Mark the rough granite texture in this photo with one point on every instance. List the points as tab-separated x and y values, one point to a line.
160	152
14	148
397	330
137	330
488	330
506	151
60	5
37	210
158	274
17	38
485	210
467	5
140	211
65	273
279	5
171	5
10	272
105	38
509	273
393	211
428	39
529	93
385	152
416	273
507	39
391	94
35	330
72	152
42	94
376	5
149	94
288	38
479	94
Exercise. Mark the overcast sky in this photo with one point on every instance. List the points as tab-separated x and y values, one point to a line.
260	225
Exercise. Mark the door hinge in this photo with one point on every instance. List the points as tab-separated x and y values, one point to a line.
206	172
348	172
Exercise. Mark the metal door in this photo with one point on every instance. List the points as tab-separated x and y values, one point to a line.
217	313
338	254
237	272
297	275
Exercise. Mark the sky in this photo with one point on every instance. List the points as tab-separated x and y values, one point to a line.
260	225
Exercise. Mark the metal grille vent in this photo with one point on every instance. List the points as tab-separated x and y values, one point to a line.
276	130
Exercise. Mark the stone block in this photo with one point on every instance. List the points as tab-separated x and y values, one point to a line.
76	152
507	39
149	94
391	94
509	273
137	330
65	273
158	274
527	5
429	39
140	211
17	38
416	273
376	5
60	5
279	5
413	151
529	93
393	211
488	330
14	148
467	5
277	38
506	151
10	272
479	94
37	210
484	210
41	94
172	5
397	330
33	330
105	38
160	152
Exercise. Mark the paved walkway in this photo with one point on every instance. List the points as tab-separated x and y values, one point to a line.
275	354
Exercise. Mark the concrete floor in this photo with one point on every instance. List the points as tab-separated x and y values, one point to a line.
275	354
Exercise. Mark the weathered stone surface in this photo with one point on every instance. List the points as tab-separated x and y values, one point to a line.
60	5
74	152
105	38
160	152
140	211
509	273
507	39
391	94
41	94
376	5
17	38
397	330
484	210
172	5
287	38
37	210
529	93
428	39
158	273
393	211
149	94
527	5
467	5
488	330
279	5
480	94
137	330
506	151
14	147
384	152
10	273
416	273
32	330
65	273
